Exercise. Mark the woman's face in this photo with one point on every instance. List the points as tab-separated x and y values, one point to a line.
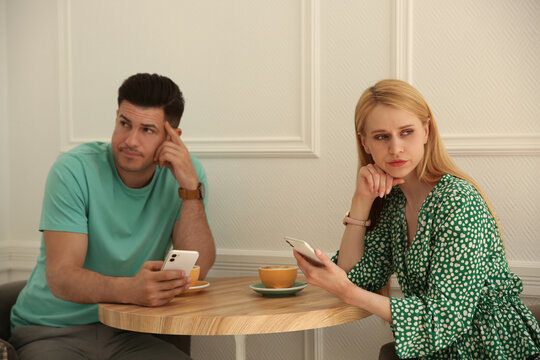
395	140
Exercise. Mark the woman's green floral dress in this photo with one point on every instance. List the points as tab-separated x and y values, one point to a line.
460	299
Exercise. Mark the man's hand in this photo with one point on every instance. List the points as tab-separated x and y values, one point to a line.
153	287
70	281
173	154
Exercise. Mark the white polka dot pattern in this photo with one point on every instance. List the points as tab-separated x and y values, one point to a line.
460	299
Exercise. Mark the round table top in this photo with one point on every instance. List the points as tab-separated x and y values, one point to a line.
230	307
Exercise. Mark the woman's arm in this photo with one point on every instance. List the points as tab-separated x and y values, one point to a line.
351	249
371	182
334	280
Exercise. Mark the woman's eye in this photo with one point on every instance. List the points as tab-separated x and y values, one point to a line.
381	137
407	132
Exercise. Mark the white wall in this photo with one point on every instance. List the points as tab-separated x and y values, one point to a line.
4	141
271	89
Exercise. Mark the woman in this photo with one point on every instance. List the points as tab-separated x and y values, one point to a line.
416	214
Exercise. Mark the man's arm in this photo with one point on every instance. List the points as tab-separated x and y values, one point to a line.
68	280
191	232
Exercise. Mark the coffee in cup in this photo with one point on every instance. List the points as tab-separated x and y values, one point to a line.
278	276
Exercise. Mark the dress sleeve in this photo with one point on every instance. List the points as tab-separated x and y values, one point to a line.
428	323
66	198
375	267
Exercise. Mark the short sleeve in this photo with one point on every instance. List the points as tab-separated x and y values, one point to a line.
426	324
66	197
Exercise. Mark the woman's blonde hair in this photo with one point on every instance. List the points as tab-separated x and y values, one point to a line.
436	161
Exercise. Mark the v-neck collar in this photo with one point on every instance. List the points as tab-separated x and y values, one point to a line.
406	257
405	241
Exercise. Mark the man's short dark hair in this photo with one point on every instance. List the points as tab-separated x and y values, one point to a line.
153	90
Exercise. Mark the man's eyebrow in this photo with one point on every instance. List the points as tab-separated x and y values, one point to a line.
143	125
149	126
125	117
382	130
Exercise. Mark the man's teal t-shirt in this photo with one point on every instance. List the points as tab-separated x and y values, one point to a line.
125	227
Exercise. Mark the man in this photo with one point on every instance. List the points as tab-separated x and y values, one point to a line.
110	213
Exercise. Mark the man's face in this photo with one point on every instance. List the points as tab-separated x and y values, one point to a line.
137	134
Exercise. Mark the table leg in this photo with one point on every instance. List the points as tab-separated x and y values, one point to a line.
240	341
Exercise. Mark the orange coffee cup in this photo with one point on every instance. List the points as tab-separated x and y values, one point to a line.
278	276
194	274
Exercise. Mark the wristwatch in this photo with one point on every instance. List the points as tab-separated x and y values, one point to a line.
197	194
350	220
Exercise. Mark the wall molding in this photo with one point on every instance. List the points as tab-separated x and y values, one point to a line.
21	258
305	145
231	262
457	144
402	40
493	144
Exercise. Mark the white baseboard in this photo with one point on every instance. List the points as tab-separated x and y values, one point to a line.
231	262
21	258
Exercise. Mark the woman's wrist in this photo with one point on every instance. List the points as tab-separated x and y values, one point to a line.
360	208
350	294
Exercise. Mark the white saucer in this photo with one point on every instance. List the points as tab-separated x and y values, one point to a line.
197	286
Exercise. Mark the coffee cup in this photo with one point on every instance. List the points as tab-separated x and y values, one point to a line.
278	276
194	274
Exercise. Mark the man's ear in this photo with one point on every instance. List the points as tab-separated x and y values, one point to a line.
178	131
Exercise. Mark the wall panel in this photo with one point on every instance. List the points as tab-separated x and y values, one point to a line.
477	63
271	89
4	124
242	98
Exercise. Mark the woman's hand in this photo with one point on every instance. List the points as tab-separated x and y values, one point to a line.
372	181
329	277
333	279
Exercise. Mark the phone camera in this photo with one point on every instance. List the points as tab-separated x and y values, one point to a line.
171	260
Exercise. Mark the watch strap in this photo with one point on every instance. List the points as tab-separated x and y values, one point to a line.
349	220
186	194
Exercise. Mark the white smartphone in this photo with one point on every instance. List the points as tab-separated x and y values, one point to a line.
303	248
180	260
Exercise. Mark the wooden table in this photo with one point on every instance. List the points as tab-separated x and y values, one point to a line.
229	307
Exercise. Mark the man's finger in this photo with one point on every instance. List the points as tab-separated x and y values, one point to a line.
173	134
153	265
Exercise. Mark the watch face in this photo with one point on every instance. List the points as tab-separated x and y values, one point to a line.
202	190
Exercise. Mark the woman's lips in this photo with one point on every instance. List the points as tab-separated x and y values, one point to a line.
397	163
